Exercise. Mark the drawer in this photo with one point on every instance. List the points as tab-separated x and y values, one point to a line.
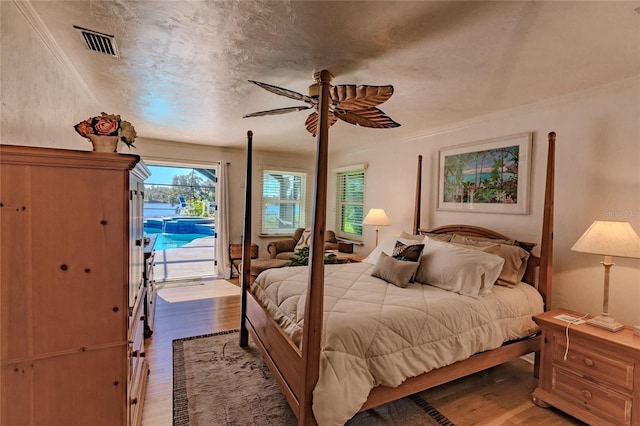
149	264
136	343
150	309
584	359
137	388
602	402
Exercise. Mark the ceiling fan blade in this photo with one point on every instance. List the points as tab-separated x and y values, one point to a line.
277	111
285	92
312	122
369	117
351	97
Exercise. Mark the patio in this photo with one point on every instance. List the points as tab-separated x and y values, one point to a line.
192	261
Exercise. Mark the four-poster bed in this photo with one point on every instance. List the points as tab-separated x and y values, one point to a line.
295	364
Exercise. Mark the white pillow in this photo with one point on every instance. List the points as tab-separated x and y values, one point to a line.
408	236
458	269
387	245
515	259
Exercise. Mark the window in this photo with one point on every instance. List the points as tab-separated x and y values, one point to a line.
180	191
283	197
350	203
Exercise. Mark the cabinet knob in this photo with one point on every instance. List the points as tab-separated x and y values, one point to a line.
586	394
589	362
135	353
134	401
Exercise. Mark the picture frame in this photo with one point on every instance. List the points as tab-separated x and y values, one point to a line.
488	176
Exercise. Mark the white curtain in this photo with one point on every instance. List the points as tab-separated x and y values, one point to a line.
222	222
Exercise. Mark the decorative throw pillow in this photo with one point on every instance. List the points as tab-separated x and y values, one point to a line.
394	271
387	245
515	265
406	252
304	241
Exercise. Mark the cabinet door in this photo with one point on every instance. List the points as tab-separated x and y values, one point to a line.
16	262
136	246
84	388
79	258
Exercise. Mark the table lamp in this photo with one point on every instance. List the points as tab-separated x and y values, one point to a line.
608	238
378	218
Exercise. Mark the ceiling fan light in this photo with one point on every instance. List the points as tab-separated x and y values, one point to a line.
314	90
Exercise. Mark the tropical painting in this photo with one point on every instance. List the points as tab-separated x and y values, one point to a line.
486	176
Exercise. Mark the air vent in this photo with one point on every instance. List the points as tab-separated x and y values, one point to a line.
99	42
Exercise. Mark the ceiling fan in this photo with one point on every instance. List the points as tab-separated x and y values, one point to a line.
348	102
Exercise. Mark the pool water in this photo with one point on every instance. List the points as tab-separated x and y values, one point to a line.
169	241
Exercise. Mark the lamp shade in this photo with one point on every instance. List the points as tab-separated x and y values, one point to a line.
609	238
376	217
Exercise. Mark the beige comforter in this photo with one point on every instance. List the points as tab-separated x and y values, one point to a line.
378	334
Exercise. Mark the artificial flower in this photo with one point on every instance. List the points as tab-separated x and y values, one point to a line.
107	125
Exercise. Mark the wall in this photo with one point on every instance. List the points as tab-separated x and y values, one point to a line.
41	98
597	178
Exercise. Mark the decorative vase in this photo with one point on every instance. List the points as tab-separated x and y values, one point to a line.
103	143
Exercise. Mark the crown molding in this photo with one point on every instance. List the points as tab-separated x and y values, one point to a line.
34	20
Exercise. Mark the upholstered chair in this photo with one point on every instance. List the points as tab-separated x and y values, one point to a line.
285	248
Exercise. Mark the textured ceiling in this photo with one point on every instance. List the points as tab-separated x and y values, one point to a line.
184	65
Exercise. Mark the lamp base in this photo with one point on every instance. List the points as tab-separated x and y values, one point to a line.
605	322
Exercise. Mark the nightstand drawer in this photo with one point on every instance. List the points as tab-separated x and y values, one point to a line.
604	403
582	358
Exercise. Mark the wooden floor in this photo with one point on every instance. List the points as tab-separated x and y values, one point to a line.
174	321
499	396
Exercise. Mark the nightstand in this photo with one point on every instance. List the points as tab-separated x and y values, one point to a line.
599	381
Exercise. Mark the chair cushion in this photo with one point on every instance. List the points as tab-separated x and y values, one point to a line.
259	265
285	255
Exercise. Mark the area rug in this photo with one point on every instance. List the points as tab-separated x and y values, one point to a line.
204	289
215	382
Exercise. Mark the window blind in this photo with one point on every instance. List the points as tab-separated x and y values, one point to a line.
350	203
283	197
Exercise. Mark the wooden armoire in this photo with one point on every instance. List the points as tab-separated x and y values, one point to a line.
71	295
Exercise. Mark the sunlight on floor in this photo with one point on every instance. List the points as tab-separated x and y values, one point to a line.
207	289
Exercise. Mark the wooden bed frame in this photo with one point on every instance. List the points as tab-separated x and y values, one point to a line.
296	370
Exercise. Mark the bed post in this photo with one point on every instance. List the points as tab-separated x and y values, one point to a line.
246	245
313	314
546	248
416	212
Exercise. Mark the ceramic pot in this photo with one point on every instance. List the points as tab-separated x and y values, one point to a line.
102	143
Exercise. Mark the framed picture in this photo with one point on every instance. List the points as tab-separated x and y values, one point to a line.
490	176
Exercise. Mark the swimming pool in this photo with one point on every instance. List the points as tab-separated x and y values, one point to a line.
181	225
169	241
